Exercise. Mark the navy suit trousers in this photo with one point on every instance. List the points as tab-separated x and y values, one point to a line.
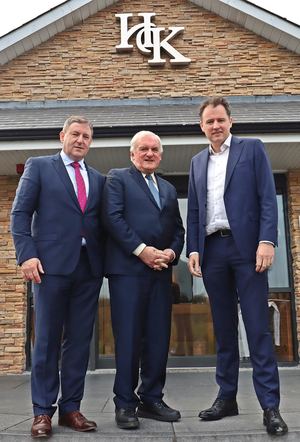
141	318
229	278
63	305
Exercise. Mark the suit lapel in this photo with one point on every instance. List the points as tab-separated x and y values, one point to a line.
92	185
235	151
200	174
162	191
64	176
138	177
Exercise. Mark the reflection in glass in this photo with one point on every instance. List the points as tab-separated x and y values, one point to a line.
192	329
278	272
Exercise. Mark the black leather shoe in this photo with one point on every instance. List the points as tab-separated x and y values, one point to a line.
126	418
158	411
274	422
219	409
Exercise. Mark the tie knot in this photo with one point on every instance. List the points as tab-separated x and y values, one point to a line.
75	165
149	177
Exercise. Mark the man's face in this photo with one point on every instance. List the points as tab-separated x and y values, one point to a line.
76	140
146	156
216	125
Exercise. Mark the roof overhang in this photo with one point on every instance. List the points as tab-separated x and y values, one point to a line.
32	129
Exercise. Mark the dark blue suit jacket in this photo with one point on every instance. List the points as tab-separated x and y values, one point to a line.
47	221
131	216
249	196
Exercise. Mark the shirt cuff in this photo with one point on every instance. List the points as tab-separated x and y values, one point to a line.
173	256
139	249
267	242
193	253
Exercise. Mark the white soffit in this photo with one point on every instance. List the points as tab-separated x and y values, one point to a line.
107	153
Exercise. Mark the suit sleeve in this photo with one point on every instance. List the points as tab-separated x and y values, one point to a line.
192	216
25	203
267	195
113	213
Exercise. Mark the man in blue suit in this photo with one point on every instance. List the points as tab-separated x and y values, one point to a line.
141	214
55	224
231	235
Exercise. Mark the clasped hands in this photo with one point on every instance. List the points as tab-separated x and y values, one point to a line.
155	258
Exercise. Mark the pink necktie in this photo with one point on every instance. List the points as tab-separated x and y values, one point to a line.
81	192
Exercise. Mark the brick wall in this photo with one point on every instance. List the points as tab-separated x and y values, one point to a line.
82	62
293	186
12	288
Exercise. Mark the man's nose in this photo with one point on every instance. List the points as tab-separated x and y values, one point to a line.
216	123
80	139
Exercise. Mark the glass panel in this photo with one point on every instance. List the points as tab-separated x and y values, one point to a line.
106	339
281	325
278	272
192	329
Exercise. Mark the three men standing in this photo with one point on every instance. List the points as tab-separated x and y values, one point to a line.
141	215
231	235
232	231
55	224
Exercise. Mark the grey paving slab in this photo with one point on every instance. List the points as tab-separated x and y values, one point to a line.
187	390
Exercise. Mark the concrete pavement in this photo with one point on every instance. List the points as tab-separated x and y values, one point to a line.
188	390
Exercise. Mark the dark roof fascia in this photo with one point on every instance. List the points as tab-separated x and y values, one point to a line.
163	130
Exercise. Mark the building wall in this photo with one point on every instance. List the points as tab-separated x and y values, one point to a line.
82	62
12	288
293	185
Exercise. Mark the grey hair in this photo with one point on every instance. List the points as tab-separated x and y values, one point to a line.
142	133
77	119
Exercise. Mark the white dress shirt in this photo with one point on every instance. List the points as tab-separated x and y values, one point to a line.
216	217
71	171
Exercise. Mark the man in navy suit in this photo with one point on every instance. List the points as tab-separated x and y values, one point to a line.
231	235
55	224
141	214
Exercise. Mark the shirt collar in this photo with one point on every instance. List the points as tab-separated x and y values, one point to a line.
151	174
224	146
67	160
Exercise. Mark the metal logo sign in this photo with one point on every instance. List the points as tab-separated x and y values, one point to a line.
148	40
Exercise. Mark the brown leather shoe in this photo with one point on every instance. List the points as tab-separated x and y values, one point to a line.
76	421
41	426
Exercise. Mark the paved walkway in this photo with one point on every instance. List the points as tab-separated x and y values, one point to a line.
189	391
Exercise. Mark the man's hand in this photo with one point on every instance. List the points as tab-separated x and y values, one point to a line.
264	256
154	258
31	270
193	265
166	256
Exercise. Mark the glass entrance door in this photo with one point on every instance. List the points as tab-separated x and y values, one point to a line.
192	337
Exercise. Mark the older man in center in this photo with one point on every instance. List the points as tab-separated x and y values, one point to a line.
141	214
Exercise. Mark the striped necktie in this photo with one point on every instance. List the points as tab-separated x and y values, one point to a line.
154	191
